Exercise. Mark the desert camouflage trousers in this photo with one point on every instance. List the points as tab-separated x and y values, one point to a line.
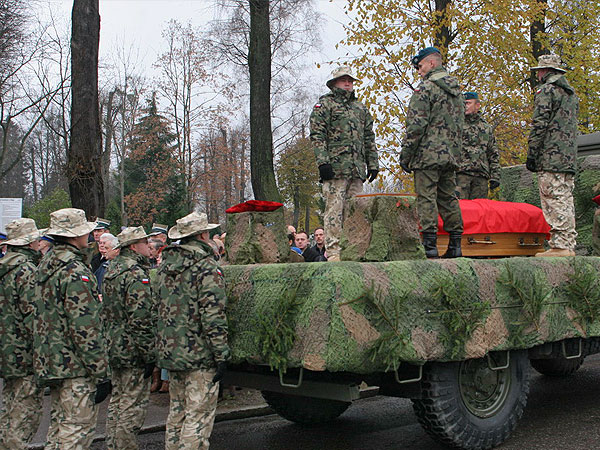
336	194
556	198
470	187
436	191
192	410
21	412
73	415
127	408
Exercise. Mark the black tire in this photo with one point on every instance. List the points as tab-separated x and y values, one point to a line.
467	405
305	410
557	367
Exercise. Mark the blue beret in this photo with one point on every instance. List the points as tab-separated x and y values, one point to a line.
47	238
422	54
471	96
3	237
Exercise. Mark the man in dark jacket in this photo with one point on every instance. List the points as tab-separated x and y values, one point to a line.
316	253
431	148
553	152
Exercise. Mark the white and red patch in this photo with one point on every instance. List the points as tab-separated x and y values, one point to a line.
219	272
318	105
145	281
85	278
538	91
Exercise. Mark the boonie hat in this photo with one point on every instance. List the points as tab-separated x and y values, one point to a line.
130	235
102	223
549	62
158	228
471	96
22	232
339	73
422	54
190	225
69	222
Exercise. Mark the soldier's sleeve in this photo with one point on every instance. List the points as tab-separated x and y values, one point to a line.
319	128
417	120
213	300
542	113
493	156
26	285
370	147
82	308
140	313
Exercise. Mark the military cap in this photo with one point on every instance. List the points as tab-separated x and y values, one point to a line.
158	228
102	224
549	62
22	232
339	73
471	96
69	222
422	54
131	235
190	225
3	237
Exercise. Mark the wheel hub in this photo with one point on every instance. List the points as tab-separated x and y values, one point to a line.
483	391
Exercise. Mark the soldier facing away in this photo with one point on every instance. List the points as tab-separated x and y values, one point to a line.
69	352
553	152
341	131
127	309
431	148
192	332
21	397
479	157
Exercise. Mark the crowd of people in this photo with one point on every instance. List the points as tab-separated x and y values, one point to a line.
85	335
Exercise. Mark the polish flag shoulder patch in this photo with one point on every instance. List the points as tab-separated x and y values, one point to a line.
145	281
219	272
538	91
318	105
85	278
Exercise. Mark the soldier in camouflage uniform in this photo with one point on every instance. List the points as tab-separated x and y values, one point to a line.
192	332
22	398
69	350
431	148
341	132
127	310
479	158
553	152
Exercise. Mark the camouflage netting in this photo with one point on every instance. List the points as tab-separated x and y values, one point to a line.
381	228
596	233
257	237
520	185
367	317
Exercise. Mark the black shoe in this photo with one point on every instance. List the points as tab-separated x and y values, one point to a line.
454	250
430	244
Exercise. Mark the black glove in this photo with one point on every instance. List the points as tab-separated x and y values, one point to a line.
326	172
148	369
103	388
494	184
221	368
372	174
530	164
405	167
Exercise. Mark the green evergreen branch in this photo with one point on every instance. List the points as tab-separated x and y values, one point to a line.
583	292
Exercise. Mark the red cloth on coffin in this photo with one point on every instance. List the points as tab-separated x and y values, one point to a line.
490	216
596	200
254	205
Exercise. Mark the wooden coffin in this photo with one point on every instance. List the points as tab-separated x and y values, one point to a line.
496	244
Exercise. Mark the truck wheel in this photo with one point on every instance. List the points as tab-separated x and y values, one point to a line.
557	367
467	405
304	410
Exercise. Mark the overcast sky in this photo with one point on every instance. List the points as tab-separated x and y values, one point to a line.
140	22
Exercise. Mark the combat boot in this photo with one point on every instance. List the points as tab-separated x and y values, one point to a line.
454	250
556	252
430	244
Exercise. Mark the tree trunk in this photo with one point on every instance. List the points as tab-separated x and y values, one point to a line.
443	37
307	219
109	126
262	173
296	206
536	31
84	159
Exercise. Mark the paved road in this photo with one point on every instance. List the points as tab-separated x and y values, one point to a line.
562	414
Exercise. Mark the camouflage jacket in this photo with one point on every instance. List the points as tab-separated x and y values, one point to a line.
434	123
192	327
479	155
127	310
341	132
17	270
69	338
553	136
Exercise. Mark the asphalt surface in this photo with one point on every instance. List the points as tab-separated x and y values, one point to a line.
562	414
